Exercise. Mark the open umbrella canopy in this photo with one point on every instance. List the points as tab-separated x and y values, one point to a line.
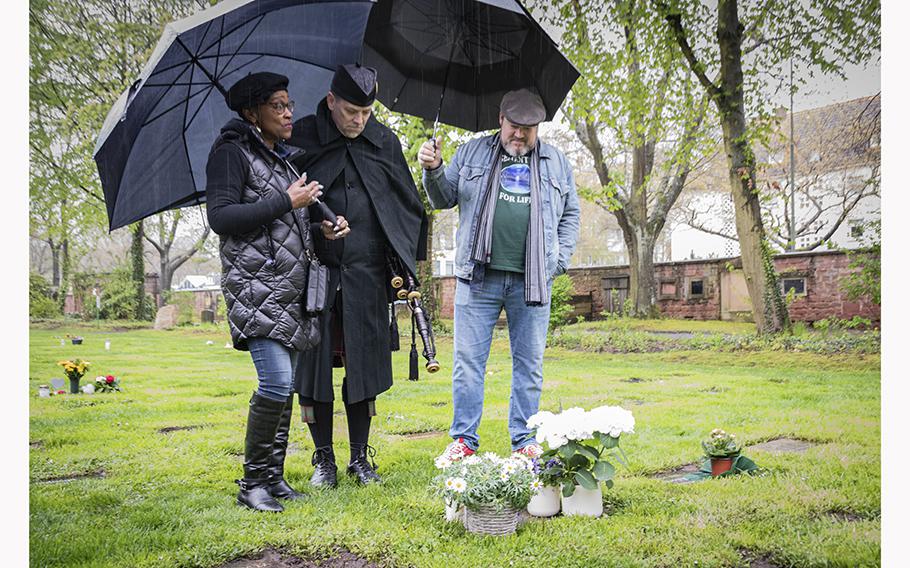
153	147
453	60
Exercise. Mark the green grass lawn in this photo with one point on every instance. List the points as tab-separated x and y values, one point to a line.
167	499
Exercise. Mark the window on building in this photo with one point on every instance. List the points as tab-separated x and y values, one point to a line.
450	267
856	229
798	285
696	288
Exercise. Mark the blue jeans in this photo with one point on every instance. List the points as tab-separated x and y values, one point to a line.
275	365
477	307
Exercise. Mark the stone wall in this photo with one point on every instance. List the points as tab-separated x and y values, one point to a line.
821	273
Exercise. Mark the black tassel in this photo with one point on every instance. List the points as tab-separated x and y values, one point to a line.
394	340
414	371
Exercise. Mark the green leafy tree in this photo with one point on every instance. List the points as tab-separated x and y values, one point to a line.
736	66
640	116
82	56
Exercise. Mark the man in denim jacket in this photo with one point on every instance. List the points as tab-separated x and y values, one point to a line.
518	221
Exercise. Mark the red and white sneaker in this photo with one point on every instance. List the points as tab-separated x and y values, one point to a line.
453	452
530	451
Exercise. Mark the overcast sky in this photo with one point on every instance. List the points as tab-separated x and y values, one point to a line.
861	82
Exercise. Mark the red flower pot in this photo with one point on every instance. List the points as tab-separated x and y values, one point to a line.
721	465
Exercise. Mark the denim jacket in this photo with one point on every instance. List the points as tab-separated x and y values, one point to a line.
462	183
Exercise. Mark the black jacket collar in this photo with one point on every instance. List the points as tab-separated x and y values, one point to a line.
328	132
242	129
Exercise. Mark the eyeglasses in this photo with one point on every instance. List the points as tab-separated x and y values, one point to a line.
279	107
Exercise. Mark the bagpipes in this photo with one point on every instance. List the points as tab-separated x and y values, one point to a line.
419	318
405	288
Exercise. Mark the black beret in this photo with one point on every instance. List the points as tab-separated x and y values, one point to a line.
254	89
523	107
355	84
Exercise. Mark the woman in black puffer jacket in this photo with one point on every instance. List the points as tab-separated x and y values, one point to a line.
257	204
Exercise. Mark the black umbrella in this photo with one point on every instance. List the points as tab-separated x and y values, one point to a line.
153	147
453	60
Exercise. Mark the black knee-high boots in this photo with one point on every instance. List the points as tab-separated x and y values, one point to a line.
278	487
261	426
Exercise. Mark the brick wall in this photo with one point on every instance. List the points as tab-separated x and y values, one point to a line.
821	271
824	297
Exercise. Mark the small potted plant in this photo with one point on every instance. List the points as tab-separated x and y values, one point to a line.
75	339
722	449
492	490
580	443
107	383
74	370
545	501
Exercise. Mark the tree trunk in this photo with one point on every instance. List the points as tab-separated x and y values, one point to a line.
64	273
642	285
768	308
166	273
136	252
55	266
633	220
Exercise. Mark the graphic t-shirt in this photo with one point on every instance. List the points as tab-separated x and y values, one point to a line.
513	210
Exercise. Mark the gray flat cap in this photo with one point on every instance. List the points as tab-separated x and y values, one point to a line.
523	108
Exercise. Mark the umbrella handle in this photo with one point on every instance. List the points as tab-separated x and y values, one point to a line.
436	125
327	213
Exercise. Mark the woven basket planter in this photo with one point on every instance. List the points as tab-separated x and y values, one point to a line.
488	520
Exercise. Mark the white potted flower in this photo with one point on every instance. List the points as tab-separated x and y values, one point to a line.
492	490
580	444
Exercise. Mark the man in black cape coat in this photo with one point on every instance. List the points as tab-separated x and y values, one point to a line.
367	180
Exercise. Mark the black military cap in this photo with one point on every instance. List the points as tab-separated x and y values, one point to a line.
523	108
255	89
355	83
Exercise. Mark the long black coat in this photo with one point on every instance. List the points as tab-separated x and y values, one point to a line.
383	172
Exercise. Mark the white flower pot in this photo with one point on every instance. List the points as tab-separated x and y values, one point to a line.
88	389
585	502
454	512
545	503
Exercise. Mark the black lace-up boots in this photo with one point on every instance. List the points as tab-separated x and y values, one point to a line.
362	466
